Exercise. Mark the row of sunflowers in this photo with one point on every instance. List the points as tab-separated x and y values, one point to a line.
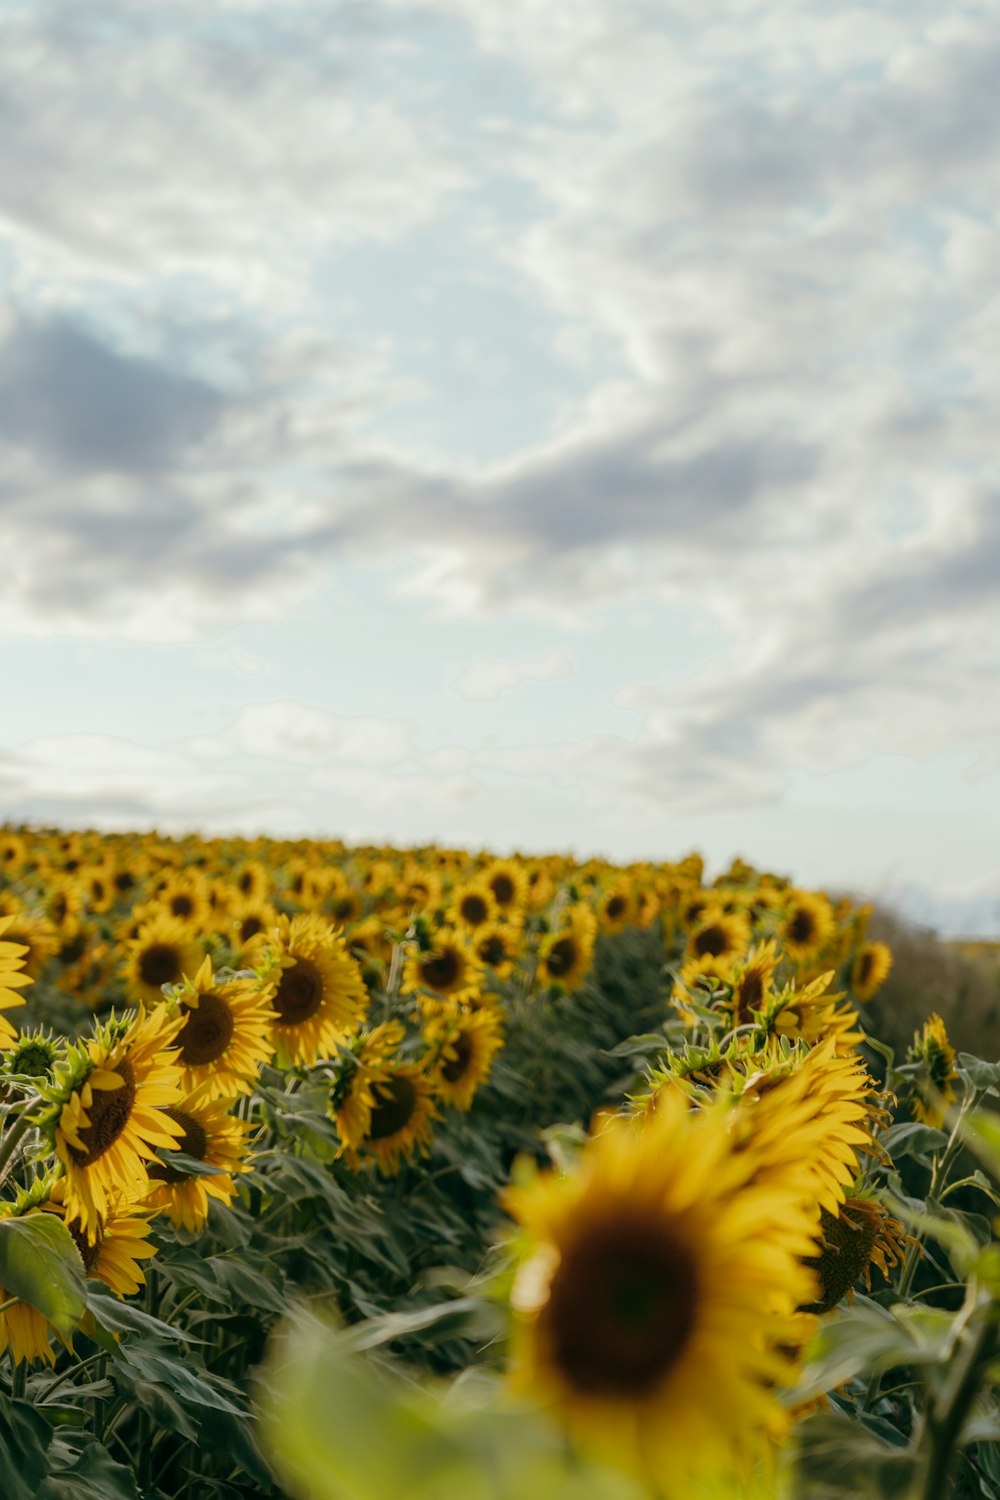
613	1140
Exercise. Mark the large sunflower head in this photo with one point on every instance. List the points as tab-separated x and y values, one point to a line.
400	1124
806	926
473	906
35	932
861	1234
365	1059
617	907
461	1046
119	1243
657	1286
498	946
446	967
209	1134
315	988
807	1113
12	979
810	1013
723	936
226	1032
565	955
163	951
508	880
870	969
934	1090
108	1116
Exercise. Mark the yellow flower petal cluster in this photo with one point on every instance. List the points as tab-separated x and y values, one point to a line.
657	1297
114	1118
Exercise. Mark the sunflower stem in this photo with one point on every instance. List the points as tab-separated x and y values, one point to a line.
12	1138
945	1416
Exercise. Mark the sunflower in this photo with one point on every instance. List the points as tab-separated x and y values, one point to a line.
461	1047
564	957
806	1114
13	853
498	946
25	1331
163	951
12	979
212	1135
447	967
34	1055
657	1286
315	988
35	932
364	1060
509	883
247	921
934	1092
861	1234
121	1241
186	897
870	969
812	1014
806	926
724	936
473	906
252	880
616	908
109	1103
226	1035
751	981
400	1122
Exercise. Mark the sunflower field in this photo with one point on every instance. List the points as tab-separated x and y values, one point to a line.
340	1173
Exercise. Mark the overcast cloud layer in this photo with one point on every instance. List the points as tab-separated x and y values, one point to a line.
525	313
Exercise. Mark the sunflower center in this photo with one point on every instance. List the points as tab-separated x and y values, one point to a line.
711	940
561	957
615	907
622	1307
462	1061
492	950
124	880
749	994
181	905
441	970
160	964
110	1111
300	993
207	1032
90	1251
801	927
249	927
864	969
194	1143
474	910
395	1108
503	889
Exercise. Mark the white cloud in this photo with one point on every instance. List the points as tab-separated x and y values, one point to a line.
297	732
488	678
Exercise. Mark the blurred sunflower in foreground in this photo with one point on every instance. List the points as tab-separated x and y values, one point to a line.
656	1300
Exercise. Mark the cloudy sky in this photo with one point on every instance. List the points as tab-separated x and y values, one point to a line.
538	424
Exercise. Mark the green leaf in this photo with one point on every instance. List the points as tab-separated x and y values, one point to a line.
40	1264
189	1165
863	1338
911	1138
981	1131
339	1428
116	1316
982	1075
836	1456
92	1474
24	1441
